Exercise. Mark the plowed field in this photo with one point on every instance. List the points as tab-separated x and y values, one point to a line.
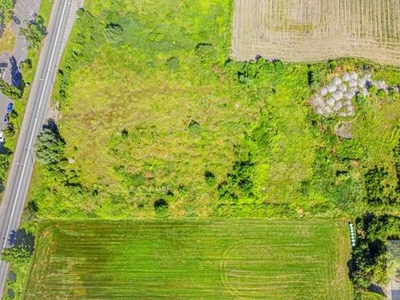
310	30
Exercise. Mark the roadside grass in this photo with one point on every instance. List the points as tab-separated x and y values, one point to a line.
179	259
7	40
45	10
12	139
28	77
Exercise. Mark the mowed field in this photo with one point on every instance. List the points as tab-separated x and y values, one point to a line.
306	31
196	259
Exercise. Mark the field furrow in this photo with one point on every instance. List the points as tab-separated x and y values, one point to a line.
298	31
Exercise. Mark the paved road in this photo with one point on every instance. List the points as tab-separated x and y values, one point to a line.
62	16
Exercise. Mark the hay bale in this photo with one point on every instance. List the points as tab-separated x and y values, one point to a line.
319	111
317	101
353	83
337	95
327	110
330	102
342	88
331	88
348	95
336	81
346	77
338	105
323	91
353	76
348	103
361	82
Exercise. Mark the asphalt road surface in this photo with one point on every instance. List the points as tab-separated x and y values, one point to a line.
62	16
24	10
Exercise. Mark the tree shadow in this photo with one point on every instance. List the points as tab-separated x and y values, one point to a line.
52	126
5	151
24	239
16	75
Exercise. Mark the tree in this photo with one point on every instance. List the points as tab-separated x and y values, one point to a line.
22	250
10	91
34	32
16	256
4	165
161	207
49	147
6	7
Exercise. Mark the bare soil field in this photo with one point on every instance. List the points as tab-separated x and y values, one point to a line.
311	30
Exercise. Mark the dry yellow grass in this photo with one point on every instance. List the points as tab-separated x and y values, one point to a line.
304	31
7	41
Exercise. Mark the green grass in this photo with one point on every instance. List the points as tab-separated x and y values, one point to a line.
127	85
45	10
132	89
194	259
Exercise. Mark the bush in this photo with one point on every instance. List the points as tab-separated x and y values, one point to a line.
379	192
113	33
210	178
6	12
161	207
206	52
49	147
172	63
34	32
10	91
370	254
239	183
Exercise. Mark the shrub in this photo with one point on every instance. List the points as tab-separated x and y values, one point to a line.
161	207
113	33
172	63
49	147
379	192
206	52
34	32
210	178
10	91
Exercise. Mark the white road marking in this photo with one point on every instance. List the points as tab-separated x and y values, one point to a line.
34	126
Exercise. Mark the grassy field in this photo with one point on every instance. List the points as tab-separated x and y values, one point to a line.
147	115
196	259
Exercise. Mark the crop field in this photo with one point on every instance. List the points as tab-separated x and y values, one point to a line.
196	259
298	31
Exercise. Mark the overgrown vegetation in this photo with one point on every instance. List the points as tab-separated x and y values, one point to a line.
34	32
159	122
49	148
6	11
171	106
10	91
370	256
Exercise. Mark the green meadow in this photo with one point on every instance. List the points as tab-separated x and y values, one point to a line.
191	259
